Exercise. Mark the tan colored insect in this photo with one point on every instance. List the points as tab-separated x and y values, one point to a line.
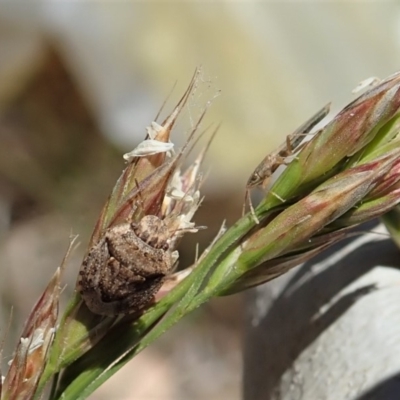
122	273
264	171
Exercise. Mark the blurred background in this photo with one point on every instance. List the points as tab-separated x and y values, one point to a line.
79	82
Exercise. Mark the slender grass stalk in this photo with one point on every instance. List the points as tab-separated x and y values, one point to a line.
347	174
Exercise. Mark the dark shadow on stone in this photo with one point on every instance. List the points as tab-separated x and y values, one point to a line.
293	321
389	389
